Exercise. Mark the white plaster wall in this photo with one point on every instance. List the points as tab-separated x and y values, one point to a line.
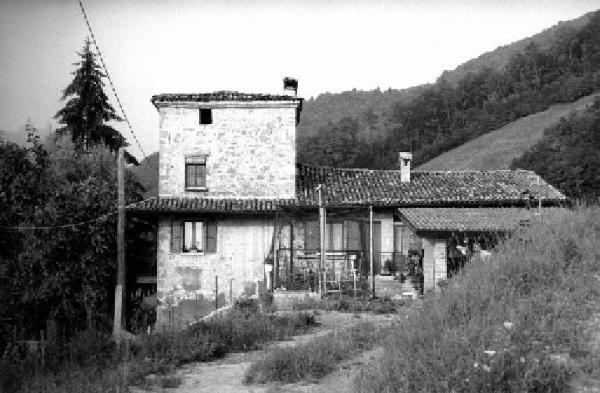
251	150
434	262
242	246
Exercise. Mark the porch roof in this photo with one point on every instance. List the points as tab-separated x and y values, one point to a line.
467	219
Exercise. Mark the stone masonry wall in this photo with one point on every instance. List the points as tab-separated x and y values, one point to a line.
250	150
186	281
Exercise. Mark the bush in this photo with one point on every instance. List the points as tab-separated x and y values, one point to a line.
516	322
91	362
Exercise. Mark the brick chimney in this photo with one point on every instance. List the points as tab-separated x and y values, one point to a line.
290	85
404	159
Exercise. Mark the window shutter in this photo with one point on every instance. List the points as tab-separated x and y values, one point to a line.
211	237
176	236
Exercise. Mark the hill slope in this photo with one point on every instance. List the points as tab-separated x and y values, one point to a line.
147	174
497	149
499	57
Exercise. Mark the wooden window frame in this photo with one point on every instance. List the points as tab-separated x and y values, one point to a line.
209	237
195	161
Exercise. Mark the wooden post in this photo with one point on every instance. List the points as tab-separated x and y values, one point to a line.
371	262
120	288
322	240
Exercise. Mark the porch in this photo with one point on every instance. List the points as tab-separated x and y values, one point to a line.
345	271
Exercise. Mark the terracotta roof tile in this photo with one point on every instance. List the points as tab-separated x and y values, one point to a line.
468	219
217	205
383	188
221	96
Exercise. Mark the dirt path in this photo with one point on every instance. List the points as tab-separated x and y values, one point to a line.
225	375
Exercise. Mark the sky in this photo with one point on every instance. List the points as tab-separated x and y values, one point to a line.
184	46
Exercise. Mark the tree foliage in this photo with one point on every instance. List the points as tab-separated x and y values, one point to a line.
68	273
87	112
439	117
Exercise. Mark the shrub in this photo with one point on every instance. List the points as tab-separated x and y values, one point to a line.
92	363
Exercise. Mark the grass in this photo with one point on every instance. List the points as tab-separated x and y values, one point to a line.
497	149
518	321
314	359
383	305
96	365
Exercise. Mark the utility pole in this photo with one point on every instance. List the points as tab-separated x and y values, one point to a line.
322	227
120	288
371	263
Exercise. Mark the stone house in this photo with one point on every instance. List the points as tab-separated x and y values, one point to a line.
238	216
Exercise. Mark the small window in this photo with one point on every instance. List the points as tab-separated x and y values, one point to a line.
194	237
195	172
205	116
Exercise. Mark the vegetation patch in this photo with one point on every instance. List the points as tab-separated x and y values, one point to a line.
517	321
97	365
383	305
315	359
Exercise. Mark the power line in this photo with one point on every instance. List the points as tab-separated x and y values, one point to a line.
112	86
76	224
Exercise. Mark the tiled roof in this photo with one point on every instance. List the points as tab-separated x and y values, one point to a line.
384	188
217	205
221	96
467	219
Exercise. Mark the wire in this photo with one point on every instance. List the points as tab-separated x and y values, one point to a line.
102	217
60	226
112	86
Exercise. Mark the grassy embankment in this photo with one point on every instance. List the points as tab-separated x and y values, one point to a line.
94	364
519	321
316	358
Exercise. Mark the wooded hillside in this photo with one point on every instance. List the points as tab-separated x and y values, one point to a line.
435	118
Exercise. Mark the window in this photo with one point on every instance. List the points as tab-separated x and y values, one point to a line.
312	240
205	116
401	238
335	236
194	237
334	240
195	172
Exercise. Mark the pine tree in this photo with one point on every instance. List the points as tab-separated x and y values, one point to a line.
87	111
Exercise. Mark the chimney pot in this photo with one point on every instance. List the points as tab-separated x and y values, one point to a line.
290	85
404	161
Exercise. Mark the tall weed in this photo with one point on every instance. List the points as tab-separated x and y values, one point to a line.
513	322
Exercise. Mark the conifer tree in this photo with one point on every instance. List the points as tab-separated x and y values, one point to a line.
87	111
